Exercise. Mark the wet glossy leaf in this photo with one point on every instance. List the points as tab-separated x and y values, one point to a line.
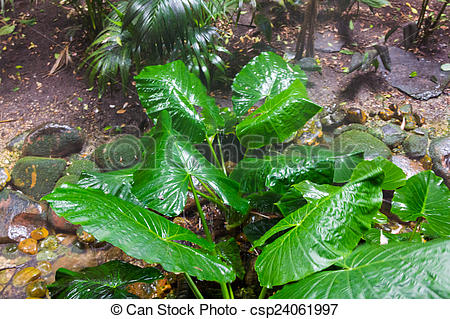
320	233
107	281
264	202
424	195
173	88
394	177
256	230
230	252
163	180
400	270
140	233
378	237
117	183
290	201
277	118
265	76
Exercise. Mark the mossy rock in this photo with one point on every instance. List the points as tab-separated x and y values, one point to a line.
393	135
415	146
37	176
67	179
125	151
79	166
354	140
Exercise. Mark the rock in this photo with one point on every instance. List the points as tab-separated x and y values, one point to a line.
10	251
415	146
25	276
439	151
16	143
37	289
49	243
355	140
356	115
37	176
386	115
6	275
333	120
349	127
125	151
308	64
4	177
67	179
420	87
328	42
19	216
39	233
60	223
52	140
45	267
405	109
310	133
85	237
79	166
410	122
426	162
28	246
420	120
393	135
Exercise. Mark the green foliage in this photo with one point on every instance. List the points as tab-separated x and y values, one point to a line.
107	281
329	202
142	32
401	270
322	232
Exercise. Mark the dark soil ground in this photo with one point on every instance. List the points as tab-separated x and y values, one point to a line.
30	96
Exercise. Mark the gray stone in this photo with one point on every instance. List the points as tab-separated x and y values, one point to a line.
409	167
355	140
393	135
125	151
16	143
309	64
37	176
349	127
333	119
52	140
19	216
4	177
439	151
421	86
415	146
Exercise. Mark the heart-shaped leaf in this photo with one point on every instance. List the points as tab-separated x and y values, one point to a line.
173	88
117	183
320	233
400	270
278	118
163	180
265	76
140	233
424	195
107	281
394	177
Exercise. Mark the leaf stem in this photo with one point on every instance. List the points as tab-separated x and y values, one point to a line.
415	229
230	290
193	287
216	160
216	201
225	292
200	211
221	156
263	293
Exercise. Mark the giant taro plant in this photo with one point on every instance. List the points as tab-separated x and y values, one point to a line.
328	203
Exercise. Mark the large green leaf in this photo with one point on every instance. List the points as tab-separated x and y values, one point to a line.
107	281
230	252
290	201
163	180
173	88
278	118
320	233
400	270
117	183
140	233
424	195
394	177
265	76
375	3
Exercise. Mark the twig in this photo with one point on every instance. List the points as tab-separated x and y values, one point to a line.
7	121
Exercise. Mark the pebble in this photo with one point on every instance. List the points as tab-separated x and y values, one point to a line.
356	115
386	115
49	243
5	177
37	289
10	251
39	233
29	246
410	122
85	237
6	275
45	267
25	276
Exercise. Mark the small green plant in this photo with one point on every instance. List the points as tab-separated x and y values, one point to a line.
327	203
